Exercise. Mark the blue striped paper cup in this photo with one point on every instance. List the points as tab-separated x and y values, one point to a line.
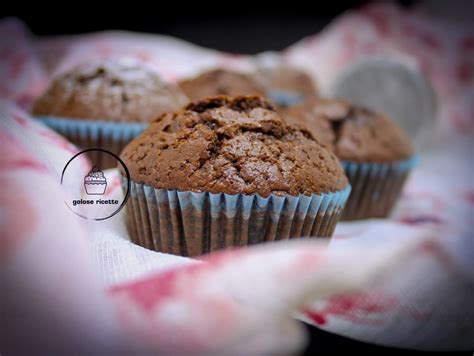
106	135
194	223
375	187
285	98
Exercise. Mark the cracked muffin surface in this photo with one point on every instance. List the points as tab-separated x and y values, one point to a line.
220	82
232	145
352	132
112	90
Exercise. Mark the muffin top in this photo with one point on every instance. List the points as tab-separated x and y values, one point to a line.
220	82
232	145
286	85
354	133
112	90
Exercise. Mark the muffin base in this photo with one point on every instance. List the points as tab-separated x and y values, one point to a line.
192	224
105	135
376	187
95	188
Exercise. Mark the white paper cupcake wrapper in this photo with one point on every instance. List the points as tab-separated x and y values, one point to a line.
375	187
191	224
106	135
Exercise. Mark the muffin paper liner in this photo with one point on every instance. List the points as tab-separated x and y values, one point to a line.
191	224
375	187
106	135
285	98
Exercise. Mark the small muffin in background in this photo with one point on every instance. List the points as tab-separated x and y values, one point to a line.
375	152
220	82
104	104
286	86
228	172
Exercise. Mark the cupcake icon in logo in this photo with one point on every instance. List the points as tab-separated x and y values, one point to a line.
95	182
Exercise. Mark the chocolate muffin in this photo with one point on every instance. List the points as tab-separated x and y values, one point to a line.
228	171
286	86
220	82
104	104
376	153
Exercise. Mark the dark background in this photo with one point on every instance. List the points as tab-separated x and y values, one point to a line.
228	26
